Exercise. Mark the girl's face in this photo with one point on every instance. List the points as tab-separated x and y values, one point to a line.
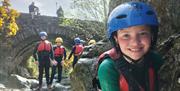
58	43
134	41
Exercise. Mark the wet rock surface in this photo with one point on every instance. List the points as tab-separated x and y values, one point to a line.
18	83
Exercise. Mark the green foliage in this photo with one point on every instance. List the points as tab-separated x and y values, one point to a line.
32	67
67	65
92	17
8	26
85	27
65	21
71	22
91	9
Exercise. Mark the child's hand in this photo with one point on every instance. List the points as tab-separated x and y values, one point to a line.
54	62
36	62
62	62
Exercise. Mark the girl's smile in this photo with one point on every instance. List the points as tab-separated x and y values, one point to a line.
134	41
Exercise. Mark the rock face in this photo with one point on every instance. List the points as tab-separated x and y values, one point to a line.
82	75
170	71
18	83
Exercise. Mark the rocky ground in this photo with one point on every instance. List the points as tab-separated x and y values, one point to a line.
18	83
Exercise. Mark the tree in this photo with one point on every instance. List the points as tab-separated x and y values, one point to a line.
96	10
8	26
91	9
88	16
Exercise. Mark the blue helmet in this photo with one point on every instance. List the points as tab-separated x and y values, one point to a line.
42	34
77	40
131	14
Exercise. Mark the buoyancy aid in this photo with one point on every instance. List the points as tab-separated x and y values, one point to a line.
44	46
58	51
79	49
126	81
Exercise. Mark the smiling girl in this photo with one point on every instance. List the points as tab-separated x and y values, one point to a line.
133	64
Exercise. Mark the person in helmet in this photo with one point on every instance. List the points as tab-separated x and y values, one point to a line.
43	54
132	64
77	50
60	55
83	42
92	42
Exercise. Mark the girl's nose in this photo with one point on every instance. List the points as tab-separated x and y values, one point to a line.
135	41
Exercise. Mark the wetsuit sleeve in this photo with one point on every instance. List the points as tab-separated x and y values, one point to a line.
52	53
158	61
35	52
108	76
64	54
72	51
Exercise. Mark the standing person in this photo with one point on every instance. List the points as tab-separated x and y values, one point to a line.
92	42
43	54
60	55
133	64
33	10
77	50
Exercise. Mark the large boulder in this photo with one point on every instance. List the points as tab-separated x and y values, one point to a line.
82	75
18	82
2	86
59	87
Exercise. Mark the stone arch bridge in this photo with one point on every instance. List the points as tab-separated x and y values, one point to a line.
25	40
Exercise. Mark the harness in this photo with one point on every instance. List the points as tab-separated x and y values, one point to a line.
44	46
58	51
79	49
128	83
126	80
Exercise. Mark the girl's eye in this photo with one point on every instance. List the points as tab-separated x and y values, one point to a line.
144	33
125	36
